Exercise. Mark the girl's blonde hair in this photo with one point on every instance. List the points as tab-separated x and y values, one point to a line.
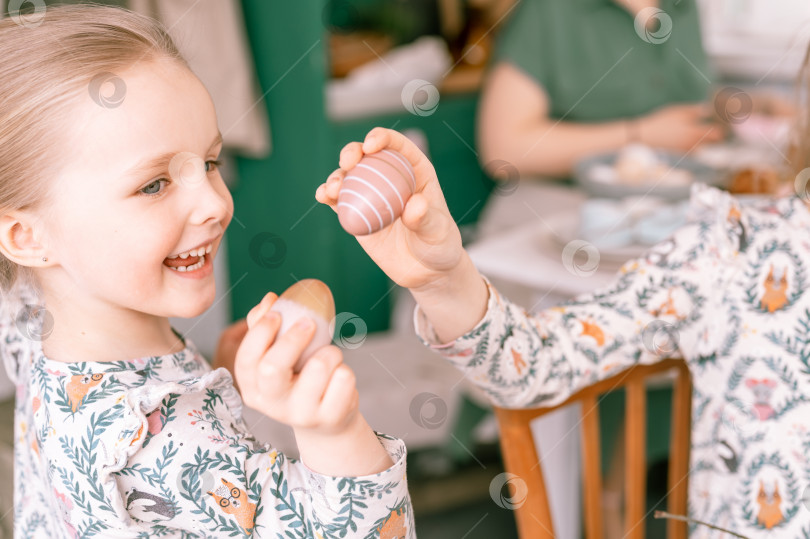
47	64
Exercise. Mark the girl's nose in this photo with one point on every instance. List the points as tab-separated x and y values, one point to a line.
205	191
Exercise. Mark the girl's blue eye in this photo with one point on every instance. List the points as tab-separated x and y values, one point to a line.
216	164
156	182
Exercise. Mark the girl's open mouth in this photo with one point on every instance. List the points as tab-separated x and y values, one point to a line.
192	267
185	264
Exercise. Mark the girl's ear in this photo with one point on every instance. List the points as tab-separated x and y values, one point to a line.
18	238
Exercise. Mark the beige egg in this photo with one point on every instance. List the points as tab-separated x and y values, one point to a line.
374	192
311	298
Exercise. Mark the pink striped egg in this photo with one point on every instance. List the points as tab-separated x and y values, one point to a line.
374	192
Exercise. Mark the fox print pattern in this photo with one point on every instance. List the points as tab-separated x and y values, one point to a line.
234	501
78	387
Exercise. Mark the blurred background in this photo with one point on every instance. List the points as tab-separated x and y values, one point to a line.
293	82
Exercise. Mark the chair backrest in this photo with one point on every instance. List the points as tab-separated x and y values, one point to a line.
521	458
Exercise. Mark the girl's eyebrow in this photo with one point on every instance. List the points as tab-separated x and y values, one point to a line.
164	159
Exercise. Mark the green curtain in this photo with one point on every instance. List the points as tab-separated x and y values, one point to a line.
280	234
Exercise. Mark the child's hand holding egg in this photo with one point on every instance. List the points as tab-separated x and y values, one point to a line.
417	243
290	372
374	192
306	298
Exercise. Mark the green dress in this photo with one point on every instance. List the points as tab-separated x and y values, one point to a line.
596	66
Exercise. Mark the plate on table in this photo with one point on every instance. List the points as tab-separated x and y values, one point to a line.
559	229
638	170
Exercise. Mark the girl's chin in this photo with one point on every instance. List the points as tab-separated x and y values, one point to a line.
192	309
189	304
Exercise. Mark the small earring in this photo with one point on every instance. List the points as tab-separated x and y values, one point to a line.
44	258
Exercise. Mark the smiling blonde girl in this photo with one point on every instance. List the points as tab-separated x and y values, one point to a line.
108	148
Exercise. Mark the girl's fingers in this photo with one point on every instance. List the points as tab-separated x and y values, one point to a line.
334	183
337	175
350	155
380	137
320	196
327	192
305	397
340	396
286	350
429	224
261	309
253	348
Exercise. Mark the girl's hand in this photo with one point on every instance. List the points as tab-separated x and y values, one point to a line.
229	342
421	248
322	398
232	337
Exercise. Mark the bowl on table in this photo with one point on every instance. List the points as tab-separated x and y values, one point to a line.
638	170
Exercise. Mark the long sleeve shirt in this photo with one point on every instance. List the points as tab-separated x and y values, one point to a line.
729	293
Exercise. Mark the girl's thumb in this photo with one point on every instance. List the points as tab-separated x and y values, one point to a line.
419	218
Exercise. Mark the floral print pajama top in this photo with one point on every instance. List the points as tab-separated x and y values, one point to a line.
157	447
729	293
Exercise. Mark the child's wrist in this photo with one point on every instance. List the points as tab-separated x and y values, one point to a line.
349	452
457	304
349	427
448	281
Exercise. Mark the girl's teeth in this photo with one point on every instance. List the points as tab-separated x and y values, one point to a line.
195	252
191	267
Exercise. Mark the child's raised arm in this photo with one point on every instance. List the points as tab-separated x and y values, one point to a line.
521	359
422	250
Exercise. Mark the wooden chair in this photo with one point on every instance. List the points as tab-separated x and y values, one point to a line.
521	457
